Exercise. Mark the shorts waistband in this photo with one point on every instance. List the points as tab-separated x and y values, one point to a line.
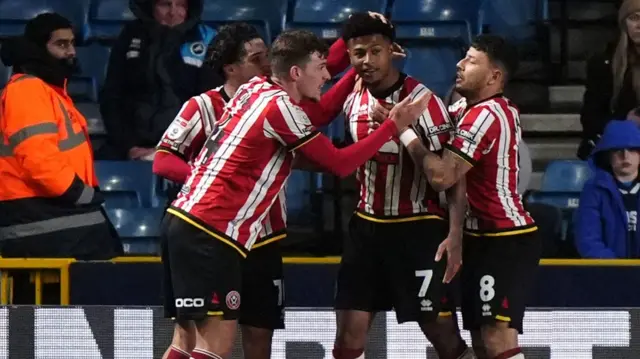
502	232
271	238
397	219
208	230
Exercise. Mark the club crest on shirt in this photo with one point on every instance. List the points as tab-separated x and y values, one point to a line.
175	130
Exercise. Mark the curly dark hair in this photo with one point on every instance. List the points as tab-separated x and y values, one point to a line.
294	48
499	51
361	24
228	46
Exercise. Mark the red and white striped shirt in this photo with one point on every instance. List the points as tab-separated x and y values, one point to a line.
187	134
193	124
487	136
242	169
391	187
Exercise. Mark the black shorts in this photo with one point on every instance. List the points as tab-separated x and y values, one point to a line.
203	276
263	288
391	266
496	278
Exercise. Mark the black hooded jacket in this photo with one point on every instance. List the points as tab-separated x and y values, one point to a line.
153	70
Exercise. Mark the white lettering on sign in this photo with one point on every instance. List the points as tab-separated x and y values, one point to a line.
568	334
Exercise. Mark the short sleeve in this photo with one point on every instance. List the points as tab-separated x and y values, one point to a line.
187	132
434	124
473	137
288	124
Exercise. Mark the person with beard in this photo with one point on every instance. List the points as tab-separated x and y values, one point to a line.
155	66
49	196
501	244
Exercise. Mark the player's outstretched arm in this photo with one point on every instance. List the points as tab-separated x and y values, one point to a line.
290	125
338	58
323	112
170	166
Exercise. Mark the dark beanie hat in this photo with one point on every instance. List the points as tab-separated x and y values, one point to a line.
38	30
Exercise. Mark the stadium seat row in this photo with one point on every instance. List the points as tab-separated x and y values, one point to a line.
135	198
101	19
427	27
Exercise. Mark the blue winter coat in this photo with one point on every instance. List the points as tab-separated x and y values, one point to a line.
600	224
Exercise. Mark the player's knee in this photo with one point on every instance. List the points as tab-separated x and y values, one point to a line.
256	342
216	335
443	333
184	335
499	337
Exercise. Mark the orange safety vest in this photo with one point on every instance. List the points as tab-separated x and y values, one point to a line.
44	146
45	142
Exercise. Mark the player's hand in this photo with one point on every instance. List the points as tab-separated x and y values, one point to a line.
398	51
379	16
358	85
406	112
453	247
380	112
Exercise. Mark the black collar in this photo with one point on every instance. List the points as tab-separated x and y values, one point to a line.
389	91
224	95
499	94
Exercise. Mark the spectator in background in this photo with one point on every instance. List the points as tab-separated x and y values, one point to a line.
155	67
49	203
606	219
613	80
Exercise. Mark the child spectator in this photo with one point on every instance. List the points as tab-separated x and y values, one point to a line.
605	225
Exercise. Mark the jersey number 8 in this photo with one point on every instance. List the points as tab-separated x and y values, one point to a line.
487	292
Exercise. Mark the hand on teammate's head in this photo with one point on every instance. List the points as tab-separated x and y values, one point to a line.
376	15
398	51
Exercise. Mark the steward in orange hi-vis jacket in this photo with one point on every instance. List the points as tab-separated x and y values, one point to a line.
50	205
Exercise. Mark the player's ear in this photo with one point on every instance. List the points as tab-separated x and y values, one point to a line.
295	72
496	76
229	69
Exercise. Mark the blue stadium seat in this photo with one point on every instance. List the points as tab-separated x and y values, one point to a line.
86	85
563	200
266	16
138	228
453	19
15	14
106	18
298	197
325	17
565	176
434	64
91	111
514	19
561	185
125	184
